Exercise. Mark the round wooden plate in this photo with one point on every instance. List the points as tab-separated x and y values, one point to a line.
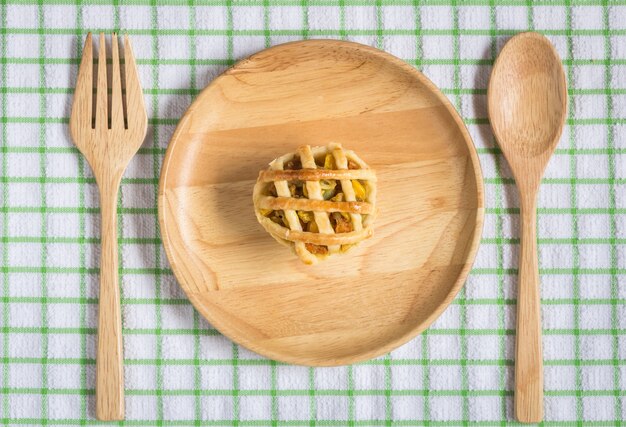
383	292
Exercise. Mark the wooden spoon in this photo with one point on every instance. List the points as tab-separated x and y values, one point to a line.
527	102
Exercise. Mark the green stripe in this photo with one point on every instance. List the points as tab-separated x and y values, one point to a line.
66	120
161	271
197	380
284	32
73	150
71	179
304	423
613	222
502	309
312	400
580	181
82	270
44	224
350	392
388	389
343	34
560	211
265	362
323	392
176	331
575	249
427	362
5	231
266	23
305	19
83	231
69	209
329	2
419	51
274	394
236	392
379	25
182	301
79	240
155	163
346	33
458	101
85	300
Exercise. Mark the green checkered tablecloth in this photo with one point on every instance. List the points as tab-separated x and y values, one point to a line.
179	370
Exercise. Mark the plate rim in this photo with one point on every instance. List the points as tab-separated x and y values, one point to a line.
474	241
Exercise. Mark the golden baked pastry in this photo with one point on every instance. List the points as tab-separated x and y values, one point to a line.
318	201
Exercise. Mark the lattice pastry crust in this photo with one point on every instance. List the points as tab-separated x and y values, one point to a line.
318	201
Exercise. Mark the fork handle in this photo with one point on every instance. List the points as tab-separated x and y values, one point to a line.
109	361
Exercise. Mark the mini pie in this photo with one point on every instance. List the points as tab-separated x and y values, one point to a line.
318	201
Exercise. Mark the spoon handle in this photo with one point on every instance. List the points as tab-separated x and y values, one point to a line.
528	353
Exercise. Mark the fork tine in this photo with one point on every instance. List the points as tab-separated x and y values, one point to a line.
101	93
81	106
117	109
135	108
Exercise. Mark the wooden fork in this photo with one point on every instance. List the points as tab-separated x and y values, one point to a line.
108	144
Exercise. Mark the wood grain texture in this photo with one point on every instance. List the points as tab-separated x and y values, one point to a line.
527	100
383	292
108	144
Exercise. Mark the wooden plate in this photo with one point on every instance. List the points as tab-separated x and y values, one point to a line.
430	198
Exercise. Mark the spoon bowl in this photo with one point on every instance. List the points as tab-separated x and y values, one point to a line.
527	104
